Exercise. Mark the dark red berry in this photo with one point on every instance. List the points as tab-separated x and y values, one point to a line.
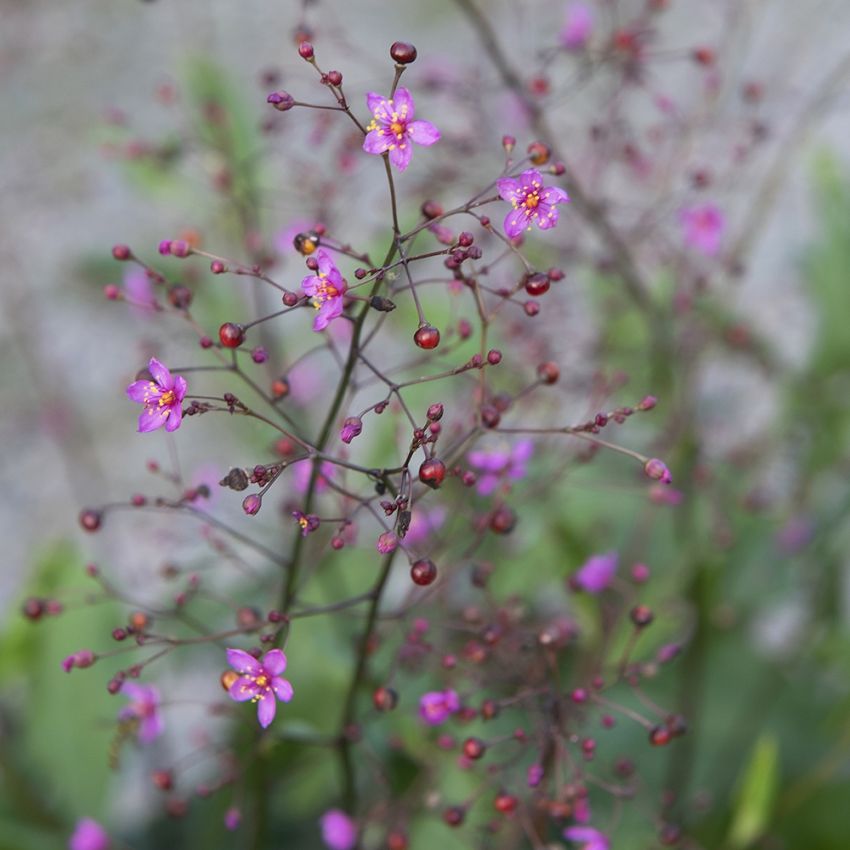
502	520
180	296
384	699
335	78
231	335
397	841
402	52
431	209
494	357
427	337
489	709
305	50
641	615
163	779
423	572
505	803
454	815
536	284
33	608
490	416
90	519
121	252
548	372
659	736
432	472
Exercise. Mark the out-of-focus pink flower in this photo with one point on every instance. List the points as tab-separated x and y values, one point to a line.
162	398
393	128
308	522
532	202
339	832
703	226
597	573
578	26
661	495
588	837
435	707
144	706
260	681
232	819
795	535
423	524
88	835
497	465
534	775
138	290
304	469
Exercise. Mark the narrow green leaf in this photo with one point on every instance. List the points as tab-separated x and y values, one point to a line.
756	793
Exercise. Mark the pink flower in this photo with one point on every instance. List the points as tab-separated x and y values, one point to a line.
144	705
88	835
577	27
703	227
534	775
596	573
424	524
339	832
326	289
435	707
308	522
588	837
393	129
162	398
497	465
531	201
260	681
304	470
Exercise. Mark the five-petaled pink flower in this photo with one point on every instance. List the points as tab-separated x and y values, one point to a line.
703	227
144	706
436	706
531	201
162	398
588	837
260	681
393	129
88	835
339	832
326	289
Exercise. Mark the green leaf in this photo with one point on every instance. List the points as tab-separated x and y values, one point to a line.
757	793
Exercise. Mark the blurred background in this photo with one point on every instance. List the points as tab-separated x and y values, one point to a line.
102	143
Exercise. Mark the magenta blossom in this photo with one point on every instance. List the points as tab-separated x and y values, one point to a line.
304	470
351	428
578	26
423	524
88	835
308	522
260	681
496	465
326	289
162	398
597	573
531	201
588	837
393	129
703	227
387	542
339	832
144	706
435	707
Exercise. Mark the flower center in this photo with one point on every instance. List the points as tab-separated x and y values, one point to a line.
397	128
167	398
532	199
262	681
324	292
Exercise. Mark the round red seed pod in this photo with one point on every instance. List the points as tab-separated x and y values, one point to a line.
121	252
659	736
335	78
111	292
489	709
536	284
423	572
454	815
548	372
432	472
397	841
90	519
163	779
431	209
505	803
402	52
427	337
502	520
33	608
231	335
641	615
305	50
532	308
384	699
494	356
180	296
474	748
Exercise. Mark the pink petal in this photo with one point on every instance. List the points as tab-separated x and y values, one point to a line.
152	418
311	284
326	264
283	689
160	374
403	103
515	222
243	689
180	387
151	728
175	417
243	662
141	391
266	709
377	142
509	189
546	217
424	133
400	155
530	179
274	661
554	195
378	104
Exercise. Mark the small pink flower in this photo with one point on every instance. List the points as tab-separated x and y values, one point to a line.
162	398
393	129
88	835
435	707
588	837
534	775
260	681
424	524
387	543
304	470
308	522
532	202
339	832
327	289
597	573
144	705
577	27
703	226
232	819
